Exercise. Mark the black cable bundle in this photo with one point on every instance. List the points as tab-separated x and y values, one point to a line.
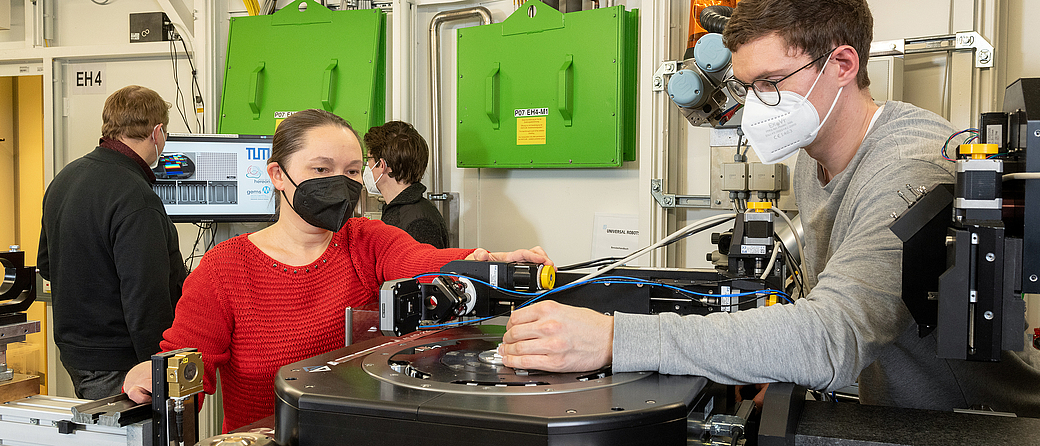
714	18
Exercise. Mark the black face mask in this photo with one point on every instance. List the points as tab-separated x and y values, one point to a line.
325	202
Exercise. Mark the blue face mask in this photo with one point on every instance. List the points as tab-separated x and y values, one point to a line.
325	202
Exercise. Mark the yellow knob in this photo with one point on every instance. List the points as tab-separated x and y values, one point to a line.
978	151
759	206
547	277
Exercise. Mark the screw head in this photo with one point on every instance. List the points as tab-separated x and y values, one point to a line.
988	315
1032	278
990	257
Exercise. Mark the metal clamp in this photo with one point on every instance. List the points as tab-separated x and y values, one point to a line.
666	68
983	49
667	200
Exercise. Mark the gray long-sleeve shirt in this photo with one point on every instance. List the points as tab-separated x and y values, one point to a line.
853	319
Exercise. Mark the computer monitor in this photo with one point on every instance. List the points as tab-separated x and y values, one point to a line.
215	178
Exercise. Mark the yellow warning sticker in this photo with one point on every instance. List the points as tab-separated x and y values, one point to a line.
530	131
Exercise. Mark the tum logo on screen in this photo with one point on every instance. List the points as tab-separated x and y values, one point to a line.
258	153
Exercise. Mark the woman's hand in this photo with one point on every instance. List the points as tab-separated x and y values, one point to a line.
138	383
533	255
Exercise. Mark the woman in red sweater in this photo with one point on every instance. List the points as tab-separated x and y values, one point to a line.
259	301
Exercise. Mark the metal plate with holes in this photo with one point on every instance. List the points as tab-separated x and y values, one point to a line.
461	366
409	390
16	332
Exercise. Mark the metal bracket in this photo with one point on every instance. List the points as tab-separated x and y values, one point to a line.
666	200
983	49
967	40
666	68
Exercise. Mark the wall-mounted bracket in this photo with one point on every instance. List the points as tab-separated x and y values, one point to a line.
968	40
666	68
667	200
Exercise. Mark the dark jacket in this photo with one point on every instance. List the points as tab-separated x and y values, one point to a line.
418	217
112	256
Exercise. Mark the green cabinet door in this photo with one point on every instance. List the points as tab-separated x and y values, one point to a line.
546	89
304	56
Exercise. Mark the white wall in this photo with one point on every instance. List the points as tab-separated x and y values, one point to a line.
1022	55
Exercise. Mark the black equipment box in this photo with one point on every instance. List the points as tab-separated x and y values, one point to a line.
429	387
150	27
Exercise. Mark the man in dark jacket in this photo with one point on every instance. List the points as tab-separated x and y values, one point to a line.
109	249
397	157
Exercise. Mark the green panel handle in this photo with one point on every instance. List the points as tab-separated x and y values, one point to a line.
565	91
328	86
491	95
256	86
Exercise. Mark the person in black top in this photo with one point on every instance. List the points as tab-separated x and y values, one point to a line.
109	249
397	157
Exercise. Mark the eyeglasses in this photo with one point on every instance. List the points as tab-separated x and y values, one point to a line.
767	90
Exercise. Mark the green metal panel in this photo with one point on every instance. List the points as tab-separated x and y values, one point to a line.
548	90
299	59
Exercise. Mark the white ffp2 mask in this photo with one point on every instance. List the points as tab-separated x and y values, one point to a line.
157	153
370	181
777	132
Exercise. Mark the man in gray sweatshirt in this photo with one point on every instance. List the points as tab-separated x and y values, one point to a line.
793	62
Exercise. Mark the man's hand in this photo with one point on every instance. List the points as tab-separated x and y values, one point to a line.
557	338
138	383
760	394
533	255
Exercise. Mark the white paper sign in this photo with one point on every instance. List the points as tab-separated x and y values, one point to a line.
614	235
87	78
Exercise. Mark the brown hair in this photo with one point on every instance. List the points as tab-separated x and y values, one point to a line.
133	111
812	26
288	137
403	148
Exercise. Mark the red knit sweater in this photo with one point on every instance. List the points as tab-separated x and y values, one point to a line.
249	315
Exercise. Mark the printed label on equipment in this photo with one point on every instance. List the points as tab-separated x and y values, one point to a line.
753	249
994	134
493	275
522	112
530	131
280	116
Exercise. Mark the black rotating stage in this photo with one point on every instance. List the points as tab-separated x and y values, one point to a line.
444	387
